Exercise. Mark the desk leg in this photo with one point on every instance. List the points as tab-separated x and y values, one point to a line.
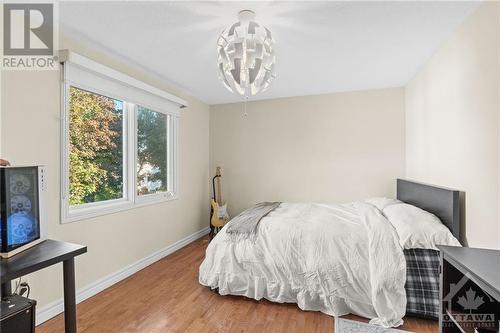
69	296
6	289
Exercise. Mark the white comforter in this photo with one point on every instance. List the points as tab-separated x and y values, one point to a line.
336	259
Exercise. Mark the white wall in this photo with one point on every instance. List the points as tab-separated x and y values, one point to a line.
330	148
30	134
453	124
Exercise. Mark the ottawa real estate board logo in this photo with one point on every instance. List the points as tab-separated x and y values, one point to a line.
469	307
28	36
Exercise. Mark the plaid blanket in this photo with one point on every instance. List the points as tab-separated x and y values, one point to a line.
422	283
245	224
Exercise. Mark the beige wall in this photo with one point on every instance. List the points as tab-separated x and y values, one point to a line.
329	148
30	129
453	125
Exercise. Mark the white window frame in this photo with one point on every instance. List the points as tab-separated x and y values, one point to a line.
172	142
130	197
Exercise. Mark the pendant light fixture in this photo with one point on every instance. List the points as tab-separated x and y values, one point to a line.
246	56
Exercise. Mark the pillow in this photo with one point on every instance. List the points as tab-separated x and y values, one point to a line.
418	229
381	202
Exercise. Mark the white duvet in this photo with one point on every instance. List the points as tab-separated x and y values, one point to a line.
336	259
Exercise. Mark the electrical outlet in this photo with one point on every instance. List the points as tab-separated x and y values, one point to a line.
24	286
26	279
23	289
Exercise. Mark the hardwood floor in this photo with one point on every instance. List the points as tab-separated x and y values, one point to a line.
166	297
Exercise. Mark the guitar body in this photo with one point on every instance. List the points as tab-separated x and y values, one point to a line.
219	215
218	212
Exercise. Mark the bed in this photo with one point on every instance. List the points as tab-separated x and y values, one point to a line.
375	258
422	265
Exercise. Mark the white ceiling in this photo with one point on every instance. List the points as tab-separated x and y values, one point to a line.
321	47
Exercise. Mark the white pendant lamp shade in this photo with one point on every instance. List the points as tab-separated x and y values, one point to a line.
246	56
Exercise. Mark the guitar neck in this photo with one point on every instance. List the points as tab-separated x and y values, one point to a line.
218	197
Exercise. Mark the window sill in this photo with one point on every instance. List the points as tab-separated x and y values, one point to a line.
111	208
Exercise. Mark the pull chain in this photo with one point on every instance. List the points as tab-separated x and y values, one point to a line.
245	113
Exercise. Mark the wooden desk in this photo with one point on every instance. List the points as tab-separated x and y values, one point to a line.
45	254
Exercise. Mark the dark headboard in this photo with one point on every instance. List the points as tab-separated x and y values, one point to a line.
440	201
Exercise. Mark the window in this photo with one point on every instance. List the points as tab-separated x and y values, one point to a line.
120	141
152	152
95	148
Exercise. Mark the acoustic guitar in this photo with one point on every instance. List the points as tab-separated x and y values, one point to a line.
218	214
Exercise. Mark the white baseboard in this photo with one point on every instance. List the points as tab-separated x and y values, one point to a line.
54	308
